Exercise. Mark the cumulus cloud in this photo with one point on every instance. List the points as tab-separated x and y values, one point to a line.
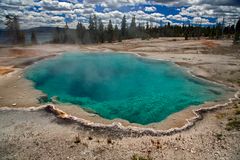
55	5
229	9
114	3
201	21
18	2
200	2
177	17
54	12
33	13
150	9
229	13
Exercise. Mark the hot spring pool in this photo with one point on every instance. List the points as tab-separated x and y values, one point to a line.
122	85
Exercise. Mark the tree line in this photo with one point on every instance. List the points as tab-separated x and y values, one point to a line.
15	34
97	32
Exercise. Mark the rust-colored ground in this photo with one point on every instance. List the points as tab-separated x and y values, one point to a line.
209	43
18	53
5	70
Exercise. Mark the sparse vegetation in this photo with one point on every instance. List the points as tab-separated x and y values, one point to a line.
220	115
237	112
233	124
219	136
77	139
137	157
109	141
90	138
234	118
43	99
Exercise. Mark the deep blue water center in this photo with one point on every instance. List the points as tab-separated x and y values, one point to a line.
122	85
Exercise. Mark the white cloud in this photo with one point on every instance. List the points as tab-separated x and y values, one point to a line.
229	9
230	13
78	6
199	2
177	17
55	5
18	2
150	9
114	3
53	12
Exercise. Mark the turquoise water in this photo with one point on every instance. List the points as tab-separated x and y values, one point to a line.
122	85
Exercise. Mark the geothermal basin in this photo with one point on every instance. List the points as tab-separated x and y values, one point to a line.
125	86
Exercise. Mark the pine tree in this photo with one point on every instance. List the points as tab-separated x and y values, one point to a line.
116	33
95	31
238	26
91	24
56	36
33	38
13	28
139	30
218	30
237	32
65	34
147	26
133	28
147	32
110	32
186	33
212	32
101	31
91	29
124	27
232	29
80	32
95	22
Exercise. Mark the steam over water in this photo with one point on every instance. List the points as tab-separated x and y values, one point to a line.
122	85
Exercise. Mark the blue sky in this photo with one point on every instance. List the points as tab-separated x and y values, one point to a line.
35	13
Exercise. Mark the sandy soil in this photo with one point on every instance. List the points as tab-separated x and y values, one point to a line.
19	130
40	135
